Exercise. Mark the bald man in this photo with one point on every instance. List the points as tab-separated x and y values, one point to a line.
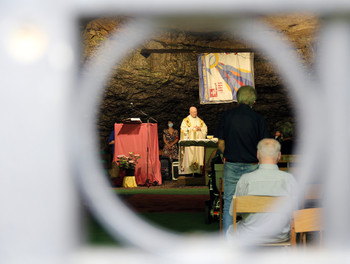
193	128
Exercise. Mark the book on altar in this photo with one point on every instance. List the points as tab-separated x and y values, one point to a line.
132	120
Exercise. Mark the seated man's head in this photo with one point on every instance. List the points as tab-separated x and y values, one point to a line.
193	111
269	151
246	95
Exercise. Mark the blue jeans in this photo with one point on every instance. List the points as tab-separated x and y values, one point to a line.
232	173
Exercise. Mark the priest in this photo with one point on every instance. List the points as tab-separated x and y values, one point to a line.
192	127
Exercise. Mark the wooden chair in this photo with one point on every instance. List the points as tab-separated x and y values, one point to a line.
257	204
304	221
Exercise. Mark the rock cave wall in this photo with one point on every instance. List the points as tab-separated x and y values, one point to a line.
165	85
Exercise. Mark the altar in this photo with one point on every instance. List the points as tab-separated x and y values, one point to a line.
206	143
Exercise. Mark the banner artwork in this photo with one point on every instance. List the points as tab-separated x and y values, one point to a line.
222	74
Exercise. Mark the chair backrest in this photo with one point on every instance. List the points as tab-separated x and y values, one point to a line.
306	220
255	204
258	204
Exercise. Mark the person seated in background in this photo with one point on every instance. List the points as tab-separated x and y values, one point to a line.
111	141
170	138
267	180
215	157
287	142
278	136
114	169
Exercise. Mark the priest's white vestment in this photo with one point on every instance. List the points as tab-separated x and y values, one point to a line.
192	157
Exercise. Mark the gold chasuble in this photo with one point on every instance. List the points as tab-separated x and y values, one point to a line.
193	156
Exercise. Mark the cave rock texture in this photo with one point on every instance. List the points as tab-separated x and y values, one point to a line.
165	85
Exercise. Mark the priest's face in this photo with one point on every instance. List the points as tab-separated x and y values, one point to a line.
193	112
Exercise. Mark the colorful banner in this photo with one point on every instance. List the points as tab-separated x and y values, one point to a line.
222	74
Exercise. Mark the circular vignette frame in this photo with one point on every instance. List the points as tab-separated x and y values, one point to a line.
115	216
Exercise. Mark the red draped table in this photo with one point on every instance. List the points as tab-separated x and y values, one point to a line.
133	138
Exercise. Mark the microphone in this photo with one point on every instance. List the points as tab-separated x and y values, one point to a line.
132	104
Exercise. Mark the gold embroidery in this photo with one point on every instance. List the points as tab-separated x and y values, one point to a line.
201	122
187	121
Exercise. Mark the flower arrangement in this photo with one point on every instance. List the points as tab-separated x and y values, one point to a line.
128	162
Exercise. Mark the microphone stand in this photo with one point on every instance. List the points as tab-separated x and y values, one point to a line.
148	118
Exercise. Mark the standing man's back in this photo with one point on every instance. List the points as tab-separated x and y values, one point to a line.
239	132
242	129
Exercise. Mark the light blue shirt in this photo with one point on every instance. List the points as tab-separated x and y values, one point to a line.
268	180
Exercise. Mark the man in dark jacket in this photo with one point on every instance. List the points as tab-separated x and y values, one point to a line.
239	132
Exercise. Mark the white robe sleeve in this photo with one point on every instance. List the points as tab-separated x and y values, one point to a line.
204	130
